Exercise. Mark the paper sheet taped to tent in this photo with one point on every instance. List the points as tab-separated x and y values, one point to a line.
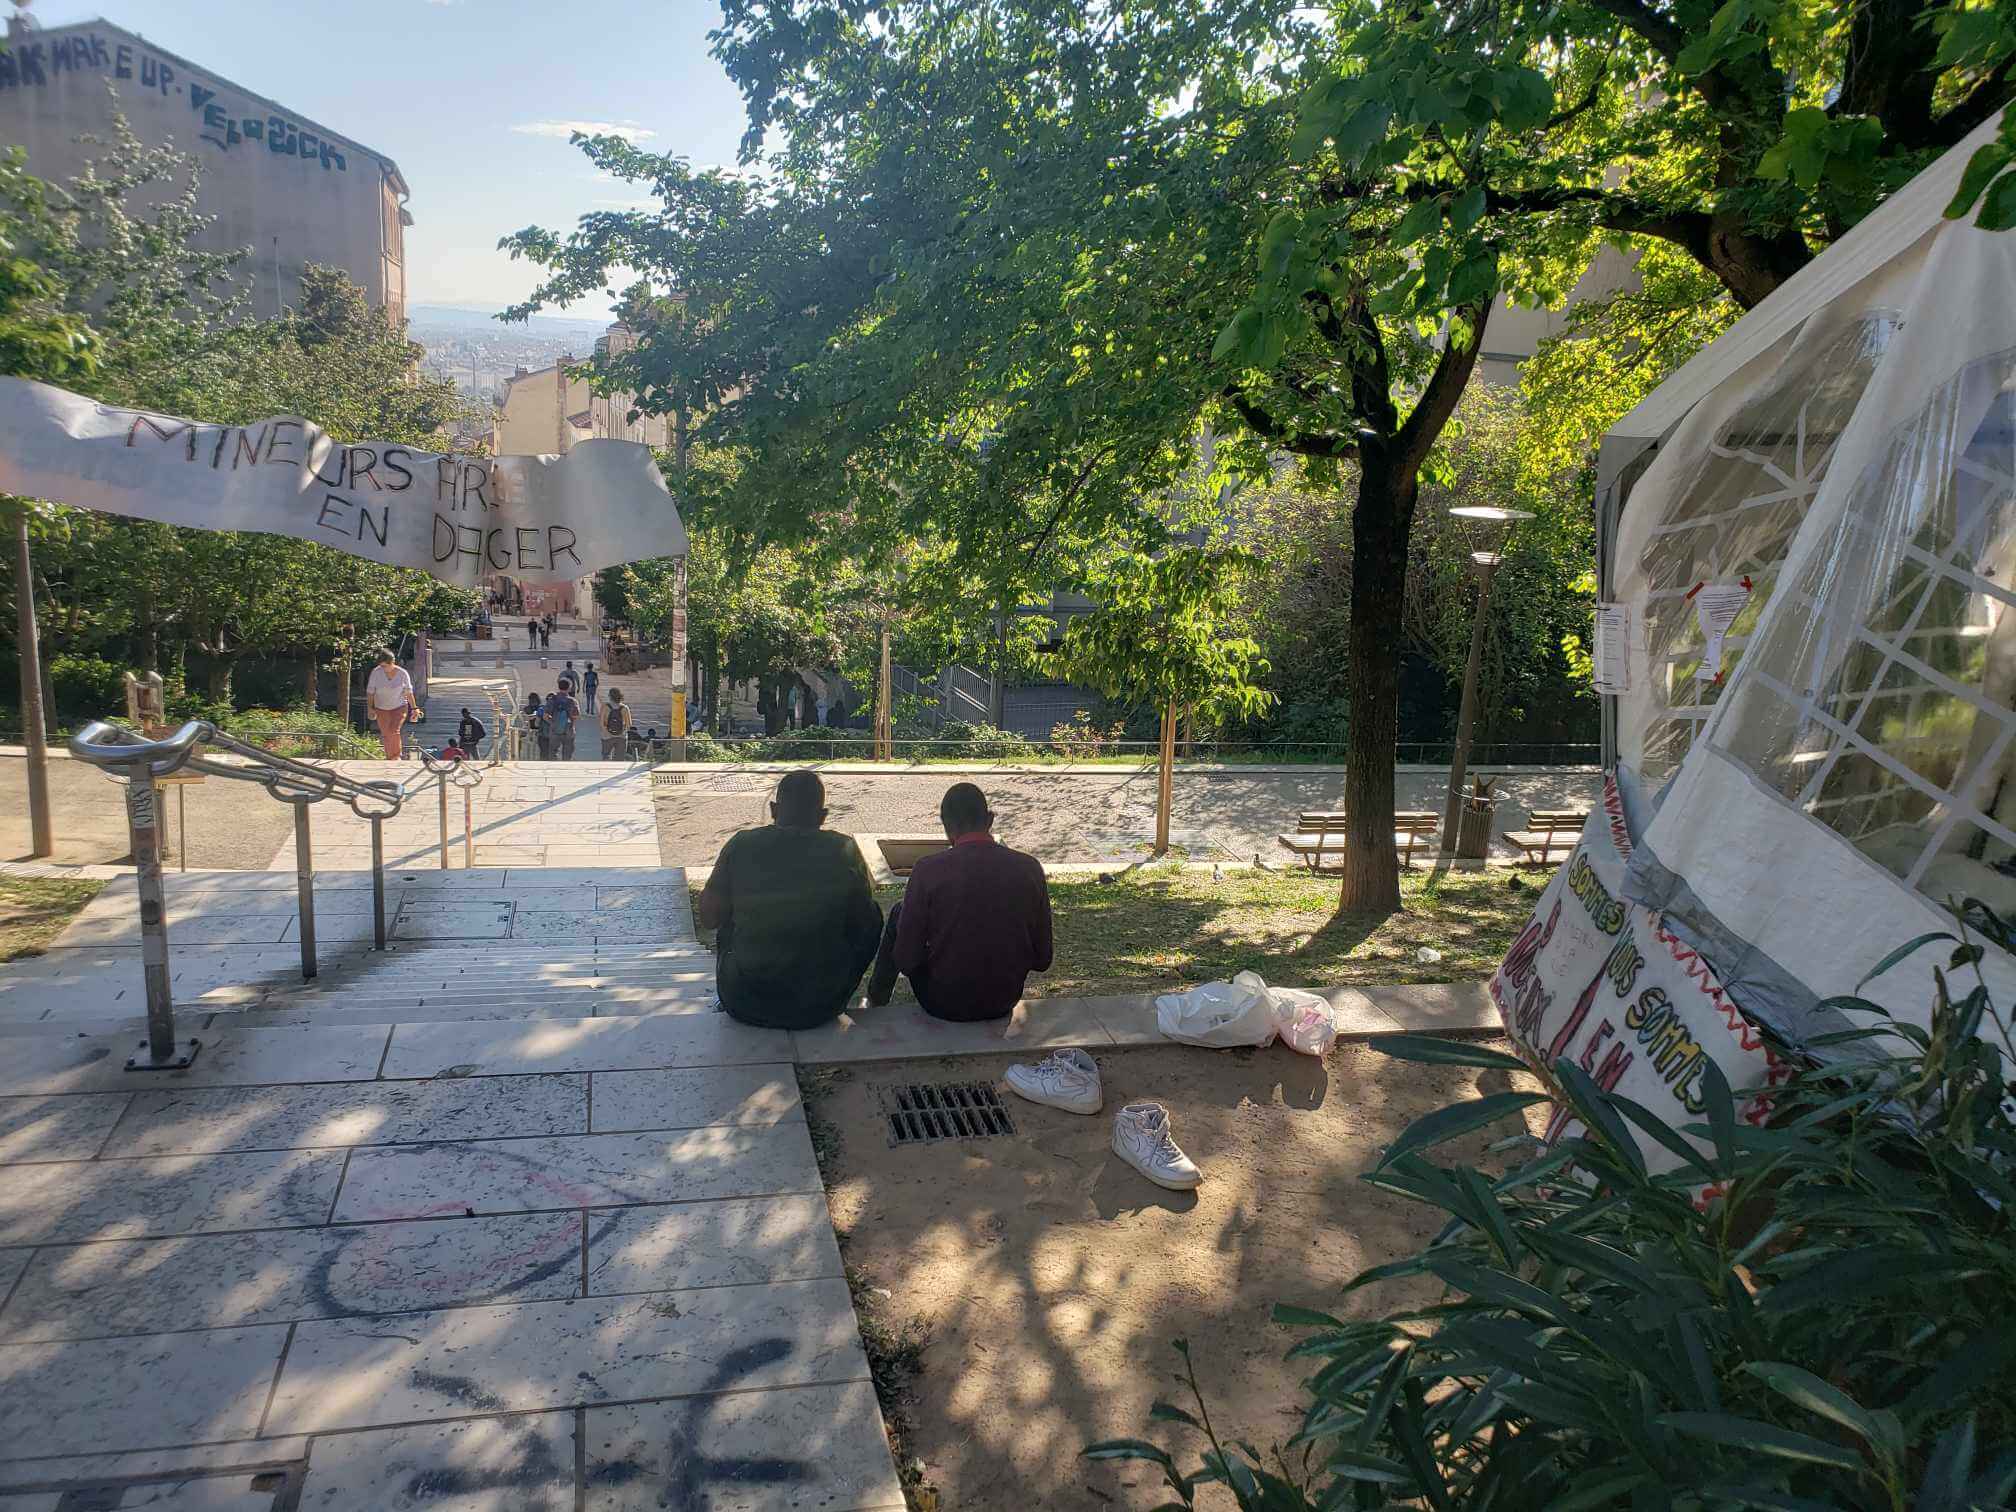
1600	982
462	518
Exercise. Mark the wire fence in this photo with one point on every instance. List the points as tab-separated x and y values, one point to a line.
518	744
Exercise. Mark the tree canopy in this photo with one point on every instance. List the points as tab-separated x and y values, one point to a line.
987	271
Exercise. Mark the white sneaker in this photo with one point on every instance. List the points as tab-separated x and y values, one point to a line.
1068	1080
1141	1138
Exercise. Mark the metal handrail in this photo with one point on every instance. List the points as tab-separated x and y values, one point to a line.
145	763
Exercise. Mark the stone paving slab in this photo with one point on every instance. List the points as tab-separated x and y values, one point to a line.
352	1113
360	1373
1436	1008
110	1395
478	922
229	1058
224	1280
594	1170
205	929
56	1128
758	1095
731	1243
904	1030
521	1463
96	1469
631	1043
167	1195
815	1446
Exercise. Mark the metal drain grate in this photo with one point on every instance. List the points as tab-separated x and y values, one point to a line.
925	1112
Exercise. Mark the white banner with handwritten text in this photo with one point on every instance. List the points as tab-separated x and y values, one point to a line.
461	518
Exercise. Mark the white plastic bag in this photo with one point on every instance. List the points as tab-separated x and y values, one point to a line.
1219	1015
1304	1020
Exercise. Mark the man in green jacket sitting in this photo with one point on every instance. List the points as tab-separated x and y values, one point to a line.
796	920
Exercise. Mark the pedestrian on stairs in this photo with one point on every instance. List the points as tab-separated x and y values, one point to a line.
389	693
535	721
616	723
469	734
590	678
531	636
563	716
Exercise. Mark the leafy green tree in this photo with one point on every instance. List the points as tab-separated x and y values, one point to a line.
1161	636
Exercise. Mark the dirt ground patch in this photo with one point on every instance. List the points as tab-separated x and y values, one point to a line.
1048	1279
231	825
34	910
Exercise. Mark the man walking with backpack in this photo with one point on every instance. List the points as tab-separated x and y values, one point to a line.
563	715
616	723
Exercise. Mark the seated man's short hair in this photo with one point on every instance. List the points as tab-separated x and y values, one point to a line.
800	798
964	809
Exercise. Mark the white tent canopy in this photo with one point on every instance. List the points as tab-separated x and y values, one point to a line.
1847	453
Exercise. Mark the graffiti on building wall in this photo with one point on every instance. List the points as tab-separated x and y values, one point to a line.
28	63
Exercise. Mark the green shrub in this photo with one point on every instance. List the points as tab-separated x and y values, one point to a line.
300	732
1832	1331
701	746
813	743
89	686
980	742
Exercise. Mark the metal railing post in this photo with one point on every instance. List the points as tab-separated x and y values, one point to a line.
143	822
304	887
441	784
378	884
468	828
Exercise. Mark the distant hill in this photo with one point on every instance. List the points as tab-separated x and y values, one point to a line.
454	317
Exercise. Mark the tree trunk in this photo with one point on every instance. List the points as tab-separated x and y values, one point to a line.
1165	786
221	670
311	680
1380	524
997	682
148	638
1748	265
344	674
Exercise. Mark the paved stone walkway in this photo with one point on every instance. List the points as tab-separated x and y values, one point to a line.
571	814
504	1218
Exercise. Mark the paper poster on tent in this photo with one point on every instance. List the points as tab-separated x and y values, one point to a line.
1597	981
1716	606
1612	654
461	518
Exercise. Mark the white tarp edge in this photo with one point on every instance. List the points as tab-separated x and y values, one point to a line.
461	518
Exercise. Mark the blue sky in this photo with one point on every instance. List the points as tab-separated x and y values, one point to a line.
470	97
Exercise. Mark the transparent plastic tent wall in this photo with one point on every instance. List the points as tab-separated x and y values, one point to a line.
1851	450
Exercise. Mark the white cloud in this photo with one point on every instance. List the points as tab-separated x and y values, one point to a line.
444	2
628	130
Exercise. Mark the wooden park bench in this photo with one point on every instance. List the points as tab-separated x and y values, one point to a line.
1547	828
1320	833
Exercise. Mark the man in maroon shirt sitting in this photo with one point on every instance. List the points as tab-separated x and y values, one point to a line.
972	924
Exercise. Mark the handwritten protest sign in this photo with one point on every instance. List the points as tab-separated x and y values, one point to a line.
461	518
1599	981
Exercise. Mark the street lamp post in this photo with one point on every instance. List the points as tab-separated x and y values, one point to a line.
1489	529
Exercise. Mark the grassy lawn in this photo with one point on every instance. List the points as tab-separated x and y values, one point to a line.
34	910
1162	925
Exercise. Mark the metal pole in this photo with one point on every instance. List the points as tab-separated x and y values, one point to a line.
441	786
32	715
1164	784
1466	719
143	822
304	889
378	884
182	826
468	830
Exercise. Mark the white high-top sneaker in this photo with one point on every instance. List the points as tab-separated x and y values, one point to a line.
1068	1080
1141	1138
